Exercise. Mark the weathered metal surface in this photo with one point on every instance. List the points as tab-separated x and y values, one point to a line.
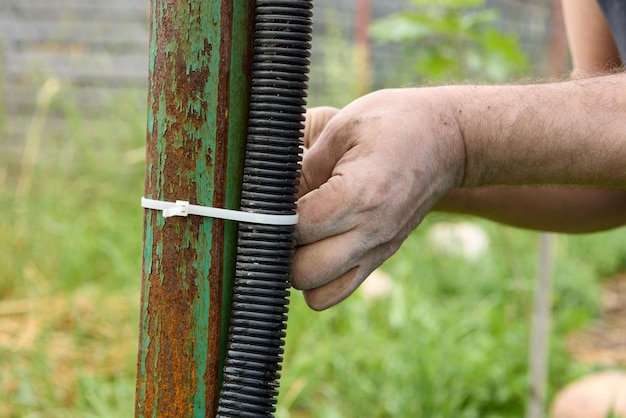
200	54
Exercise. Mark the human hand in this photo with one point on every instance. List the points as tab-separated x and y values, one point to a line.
316	120
372	172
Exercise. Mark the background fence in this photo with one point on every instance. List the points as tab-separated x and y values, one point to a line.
97	50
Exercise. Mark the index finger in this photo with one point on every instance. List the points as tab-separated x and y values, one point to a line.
315	120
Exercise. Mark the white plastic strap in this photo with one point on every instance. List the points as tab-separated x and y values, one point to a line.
183	208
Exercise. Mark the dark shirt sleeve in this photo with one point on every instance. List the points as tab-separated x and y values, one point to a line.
615	14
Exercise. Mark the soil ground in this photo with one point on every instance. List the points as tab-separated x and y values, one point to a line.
604	341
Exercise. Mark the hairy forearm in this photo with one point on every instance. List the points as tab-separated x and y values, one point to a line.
567	133
381	163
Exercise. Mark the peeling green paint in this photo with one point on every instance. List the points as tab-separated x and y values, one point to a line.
200	54
200	329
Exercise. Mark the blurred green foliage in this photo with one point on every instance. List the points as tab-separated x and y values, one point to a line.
450	338
453	40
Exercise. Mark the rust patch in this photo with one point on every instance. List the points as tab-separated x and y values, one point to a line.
182	328
178	137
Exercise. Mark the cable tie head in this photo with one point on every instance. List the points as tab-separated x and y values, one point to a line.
181	208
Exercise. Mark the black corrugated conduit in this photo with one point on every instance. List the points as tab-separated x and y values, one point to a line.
264	252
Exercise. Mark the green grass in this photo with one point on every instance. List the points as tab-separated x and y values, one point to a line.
449	340
70	268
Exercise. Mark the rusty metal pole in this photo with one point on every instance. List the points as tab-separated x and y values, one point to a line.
200	59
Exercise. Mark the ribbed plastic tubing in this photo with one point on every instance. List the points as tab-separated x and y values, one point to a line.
271	170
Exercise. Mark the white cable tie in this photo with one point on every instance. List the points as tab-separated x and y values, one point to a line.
183	208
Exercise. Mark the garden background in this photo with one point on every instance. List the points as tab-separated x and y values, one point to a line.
444	334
